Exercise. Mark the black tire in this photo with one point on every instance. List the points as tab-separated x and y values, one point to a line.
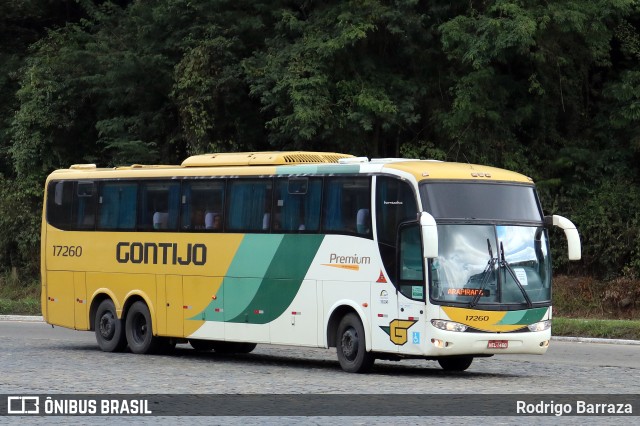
233	347
109	329
458	363
351	347
202	345
139	330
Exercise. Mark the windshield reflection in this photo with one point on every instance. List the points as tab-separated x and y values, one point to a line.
468	268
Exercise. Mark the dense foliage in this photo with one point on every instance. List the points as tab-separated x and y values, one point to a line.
548	88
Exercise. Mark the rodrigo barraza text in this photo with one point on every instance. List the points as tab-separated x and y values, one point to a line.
578	407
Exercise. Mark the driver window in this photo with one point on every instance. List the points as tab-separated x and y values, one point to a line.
410	262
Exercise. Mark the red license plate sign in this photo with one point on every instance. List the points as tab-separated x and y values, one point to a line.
498	344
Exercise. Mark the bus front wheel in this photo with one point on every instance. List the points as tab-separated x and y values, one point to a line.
455	363
109	330
350	346
139	331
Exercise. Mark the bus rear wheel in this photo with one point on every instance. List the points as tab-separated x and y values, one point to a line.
139	330
351	347
109	329
455	363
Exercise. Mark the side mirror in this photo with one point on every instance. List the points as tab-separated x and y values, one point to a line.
570	232
429	230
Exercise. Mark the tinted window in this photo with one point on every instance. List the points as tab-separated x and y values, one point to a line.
60	204
203	205
395	203
117	205
71	204
159	205
297	204
411	271
480	201
85	205
249	205
347	205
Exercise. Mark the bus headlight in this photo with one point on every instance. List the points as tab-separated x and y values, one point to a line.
540	326
448	325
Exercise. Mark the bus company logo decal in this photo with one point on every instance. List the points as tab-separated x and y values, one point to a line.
351	263
397	330
161	253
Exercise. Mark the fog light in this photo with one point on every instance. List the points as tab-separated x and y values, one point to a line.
544	344
448	325
540	326
437	343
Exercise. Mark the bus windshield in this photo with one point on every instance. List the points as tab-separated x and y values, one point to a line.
489	265
493	249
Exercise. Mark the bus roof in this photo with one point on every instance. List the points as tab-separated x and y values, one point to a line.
299	162
262	158
429	169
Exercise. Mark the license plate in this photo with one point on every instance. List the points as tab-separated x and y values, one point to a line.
498	344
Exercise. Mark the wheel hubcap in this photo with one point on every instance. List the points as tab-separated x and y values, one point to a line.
349	344
139	328
107	326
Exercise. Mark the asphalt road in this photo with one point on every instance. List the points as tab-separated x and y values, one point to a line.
36	358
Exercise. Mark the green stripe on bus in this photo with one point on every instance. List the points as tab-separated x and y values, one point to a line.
274	267
526	317
254	256
307	169
243	278
533	315
292	260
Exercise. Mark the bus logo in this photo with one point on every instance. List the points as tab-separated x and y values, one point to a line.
347	262
397	331
161	253
23	405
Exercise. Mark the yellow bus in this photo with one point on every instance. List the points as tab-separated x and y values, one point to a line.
381	258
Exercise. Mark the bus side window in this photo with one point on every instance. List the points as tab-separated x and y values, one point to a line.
410	261
203	204
297	204
86	205
159	205
60	204
117	205
346	202
249	207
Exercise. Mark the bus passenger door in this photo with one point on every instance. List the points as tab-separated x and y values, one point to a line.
410	325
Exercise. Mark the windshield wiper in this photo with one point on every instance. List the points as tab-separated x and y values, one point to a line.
486	274
504	264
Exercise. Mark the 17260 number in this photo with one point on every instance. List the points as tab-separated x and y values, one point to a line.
67	251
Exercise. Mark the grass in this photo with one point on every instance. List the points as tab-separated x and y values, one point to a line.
578	310
608	329
19	298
